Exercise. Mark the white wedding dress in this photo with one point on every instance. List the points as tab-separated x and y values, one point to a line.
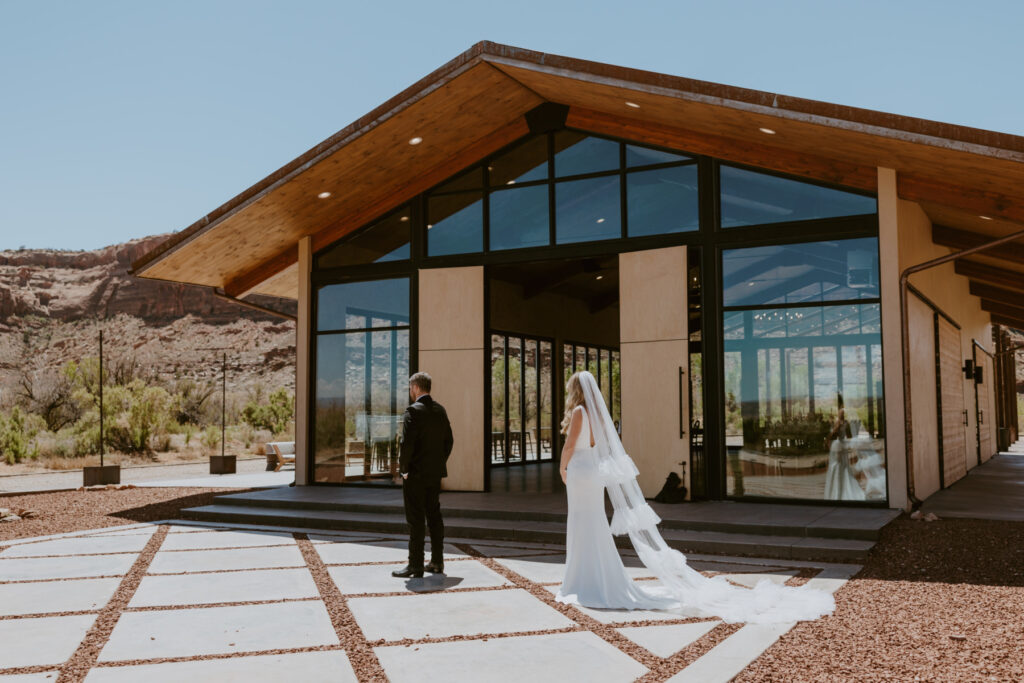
594	573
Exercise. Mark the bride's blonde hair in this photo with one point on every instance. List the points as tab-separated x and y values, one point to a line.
573	398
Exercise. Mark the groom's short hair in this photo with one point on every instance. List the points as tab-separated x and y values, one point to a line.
422	380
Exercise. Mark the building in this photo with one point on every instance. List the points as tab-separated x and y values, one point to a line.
728	262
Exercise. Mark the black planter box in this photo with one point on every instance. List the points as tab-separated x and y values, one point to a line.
102	475
222	464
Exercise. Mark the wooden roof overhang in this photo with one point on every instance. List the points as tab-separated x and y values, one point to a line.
474	105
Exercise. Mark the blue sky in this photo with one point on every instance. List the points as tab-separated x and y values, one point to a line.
126	119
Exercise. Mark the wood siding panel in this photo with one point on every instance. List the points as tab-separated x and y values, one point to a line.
951	388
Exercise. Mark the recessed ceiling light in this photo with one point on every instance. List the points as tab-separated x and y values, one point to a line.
633	104
600	277
767	131
750	284
416	140
985	218
324	195
404	219
600	220
429	226
511	182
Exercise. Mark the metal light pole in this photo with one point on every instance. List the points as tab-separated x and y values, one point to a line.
223	402
101	398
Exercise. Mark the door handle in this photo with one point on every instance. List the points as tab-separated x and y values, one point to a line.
981	417
965	416
682	430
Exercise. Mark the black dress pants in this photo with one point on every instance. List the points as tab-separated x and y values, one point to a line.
423	509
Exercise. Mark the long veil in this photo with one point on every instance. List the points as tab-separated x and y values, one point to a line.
767	602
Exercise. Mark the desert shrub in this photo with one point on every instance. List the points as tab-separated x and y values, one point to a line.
50	395
274	415
190	401
18	432
188	430
245	434
132	414
161	443
210	438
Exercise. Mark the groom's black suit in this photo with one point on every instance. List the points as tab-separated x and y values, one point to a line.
426	444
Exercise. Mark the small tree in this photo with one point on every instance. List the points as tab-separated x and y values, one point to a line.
17	436
273	415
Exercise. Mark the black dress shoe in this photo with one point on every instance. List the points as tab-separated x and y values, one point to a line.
408	572
435	567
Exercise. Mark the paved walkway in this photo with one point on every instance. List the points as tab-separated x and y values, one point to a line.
183	601
993	490
251	473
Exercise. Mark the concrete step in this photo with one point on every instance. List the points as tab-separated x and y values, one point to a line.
837	526
685	540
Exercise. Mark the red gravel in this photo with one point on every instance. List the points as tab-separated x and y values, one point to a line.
936	601
63	511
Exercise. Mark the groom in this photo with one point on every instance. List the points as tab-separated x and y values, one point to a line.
426	444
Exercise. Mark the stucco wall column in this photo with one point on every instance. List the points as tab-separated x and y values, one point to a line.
451	350
892	349
303	328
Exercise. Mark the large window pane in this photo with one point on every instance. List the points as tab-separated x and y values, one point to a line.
455	224
520	218
662	200
751	198
576	154
526	163
801	404
645	156
385	240
799	273
360	305
587	210
473	179
360	395
498	375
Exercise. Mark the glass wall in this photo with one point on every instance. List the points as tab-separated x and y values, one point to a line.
563	188
521	399
803	371
361	346
605	365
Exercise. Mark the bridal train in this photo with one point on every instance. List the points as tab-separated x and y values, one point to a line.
595	576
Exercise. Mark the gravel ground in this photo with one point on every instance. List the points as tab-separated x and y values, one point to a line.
63	511
936	601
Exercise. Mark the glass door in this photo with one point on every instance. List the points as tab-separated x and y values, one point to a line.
522	398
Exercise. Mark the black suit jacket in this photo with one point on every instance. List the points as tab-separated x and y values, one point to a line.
426	440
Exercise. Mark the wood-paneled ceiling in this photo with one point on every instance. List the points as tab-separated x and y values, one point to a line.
475	104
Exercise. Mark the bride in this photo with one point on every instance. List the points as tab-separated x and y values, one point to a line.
594	460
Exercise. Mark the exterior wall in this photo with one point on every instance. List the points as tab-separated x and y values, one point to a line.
654	345
303	368
949	292
551	315
451	349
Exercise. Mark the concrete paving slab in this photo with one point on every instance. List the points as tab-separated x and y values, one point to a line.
206	589
136	531
42	677
80	546
307	667
375	578
510	550
225	539
751	580
554	657
41	641
722	662
214	630
551	568
83	595
27	569
622	616
451	614
664	641
382	551
177	561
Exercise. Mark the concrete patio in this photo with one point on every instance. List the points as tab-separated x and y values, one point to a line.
187	601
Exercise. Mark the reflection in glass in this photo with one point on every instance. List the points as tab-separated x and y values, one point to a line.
587	210
360	394
360	305
576	154
547	373
645	156
751	198
385	240
662	200
455	223
802	403
526	163
520	218
523	387
800	273
514	398
530	399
